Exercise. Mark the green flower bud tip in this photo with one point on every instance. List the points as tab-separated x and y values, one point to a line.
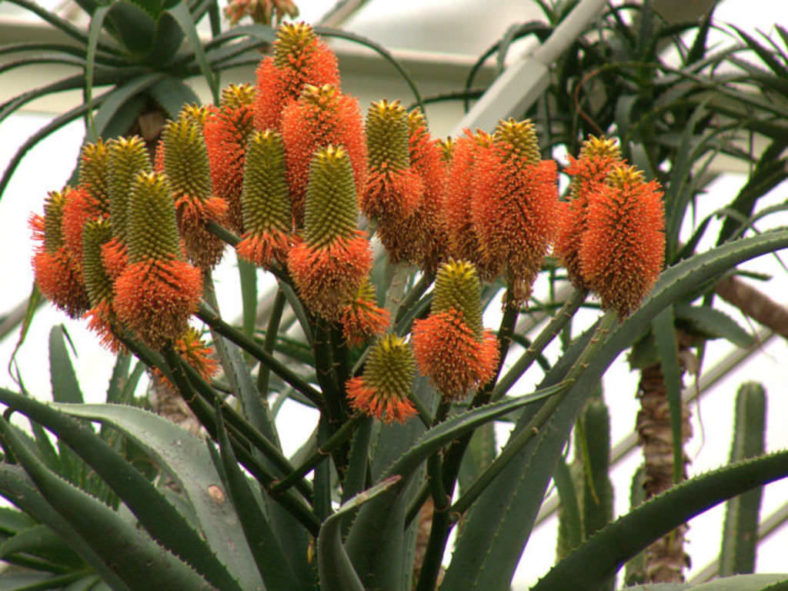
387	135
152	232
457	287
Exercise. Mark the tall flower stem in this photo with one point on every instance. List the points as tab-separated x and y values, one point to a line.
212	319
271	333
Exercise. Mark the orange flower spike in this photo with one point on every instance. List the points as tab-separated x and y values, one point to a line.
362	318
127	157
451	345
57	272
597	157
333	259
265	202
394	190
623	249
226	135
322	116
463	242
383	389
515	205
186	166
157	292
197	354
300	58
96	235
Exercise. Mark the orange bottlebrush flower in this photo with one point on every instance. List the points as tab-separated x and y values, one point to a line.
196	353
383	390
157	292
463	242
99	285
79	207
300	58
623	249
265	202
58	274
155	298
329	265
322	116
393	191
361	316
515	205
597	158
226	134
186	166
422	238
450	345
448	353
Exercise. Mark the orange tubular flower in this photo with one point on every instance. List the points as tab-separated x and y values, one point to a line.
157	292
597	158
451	346
187	168
226	134
322	116
515	205
126	158
332	260
394	190
96	235
623	249
362	318
300	58
196	353
57	272
265	202
463	241
382	391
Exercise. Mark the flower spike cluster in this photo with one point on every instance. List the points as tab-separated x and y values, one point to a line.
187	168
451	345
157	292
514	205
227	131
383	389
300	58
329	264
362	318
322	116
623	248
598	155
265	202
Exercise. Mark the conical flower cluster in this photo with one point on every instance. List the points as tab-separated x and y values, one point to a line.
384	388
451	345
596	159
622	250
300	58
514	206
333	258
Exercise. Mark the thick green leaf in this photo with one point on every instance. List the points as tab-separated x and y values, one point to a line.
272	562
114	112
16	486
667	350
152	509
180	12
65	386
570	528
172	94
94	30
13	521
710	323
604	553
336	571
134	27
501	520
186	459
132	554
166	42
39	540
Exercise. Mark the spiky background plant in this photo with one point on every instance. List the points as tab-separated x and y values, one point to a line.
407	386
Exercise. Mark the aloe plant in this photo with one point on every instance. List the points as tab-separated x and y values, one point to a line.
407	384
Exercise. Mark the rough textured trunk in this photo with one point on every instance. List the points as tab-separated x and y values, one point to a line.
754	304
665	558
